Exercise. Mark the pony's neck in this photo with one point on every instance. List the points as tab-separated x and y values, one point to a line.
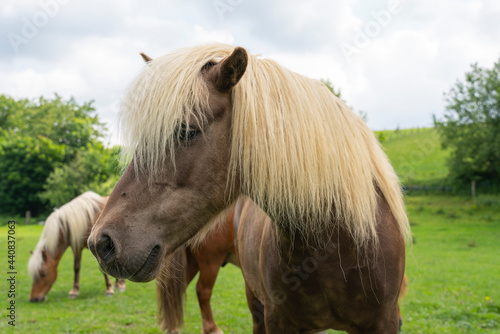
61	247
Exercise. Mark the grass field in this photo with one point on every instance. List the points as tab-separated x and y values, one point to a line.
453	267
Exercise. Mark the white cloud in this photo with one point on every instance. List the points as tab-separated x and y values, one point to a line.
89	50
204	36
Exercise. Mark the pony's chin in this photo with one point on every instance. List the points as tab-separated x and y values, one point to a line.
37	299
150	268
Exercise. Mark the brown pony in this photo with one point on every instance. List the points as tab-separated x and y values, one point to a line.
217	248
69	225
209	123
297	275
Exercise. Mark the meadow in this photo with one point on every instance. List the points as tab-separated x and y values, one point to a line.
452	264
453	269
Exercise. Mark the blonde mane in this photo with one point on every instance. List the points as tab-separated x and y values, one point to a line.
71	221
301	153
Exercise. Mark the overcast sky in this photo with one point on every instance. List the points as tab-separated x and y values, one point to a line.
391	59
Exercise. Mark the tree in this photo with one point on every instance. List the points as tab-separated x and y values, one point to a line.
470	126
95	168
25	163
63	122
336	91
51	140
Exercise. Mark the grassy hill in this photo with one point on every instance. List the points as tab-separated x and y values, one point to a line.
417	155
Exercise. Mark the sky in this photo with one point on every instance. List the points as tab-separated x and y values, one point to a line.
392	59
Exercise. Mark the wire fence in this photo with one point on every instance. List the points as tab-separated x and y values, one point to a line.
472	189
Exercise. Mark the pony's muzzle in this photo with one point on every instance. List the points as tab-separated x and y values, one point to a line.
105	249
137	262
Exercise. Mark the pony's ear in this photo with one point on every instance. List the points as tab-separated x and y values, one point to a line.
31	252
229	71
146	58
44	255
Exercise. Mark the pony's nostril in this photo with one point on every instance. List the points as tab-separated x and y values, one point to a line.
105	248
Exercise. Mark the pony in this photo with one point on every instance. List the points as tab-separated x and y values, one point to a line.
217	249
179	269
203	125
68	226
298	277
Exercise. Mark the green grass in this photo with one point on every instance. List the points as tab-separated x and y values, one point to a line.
416	155
453	268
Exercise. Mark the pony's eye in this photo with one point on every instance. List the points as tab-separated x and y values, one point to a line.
187	134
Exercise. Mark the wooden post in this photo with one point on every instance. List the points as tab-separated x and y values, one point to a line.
473	188
28	216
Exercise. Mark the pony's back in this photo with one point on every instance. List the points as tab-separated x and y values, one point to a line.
72	221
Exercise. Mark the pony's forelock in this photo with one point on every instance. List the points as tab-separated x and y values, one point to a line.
300	152
167	93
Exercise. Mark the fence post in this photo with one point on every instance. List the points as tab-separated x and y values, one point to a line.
473	188
28	216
